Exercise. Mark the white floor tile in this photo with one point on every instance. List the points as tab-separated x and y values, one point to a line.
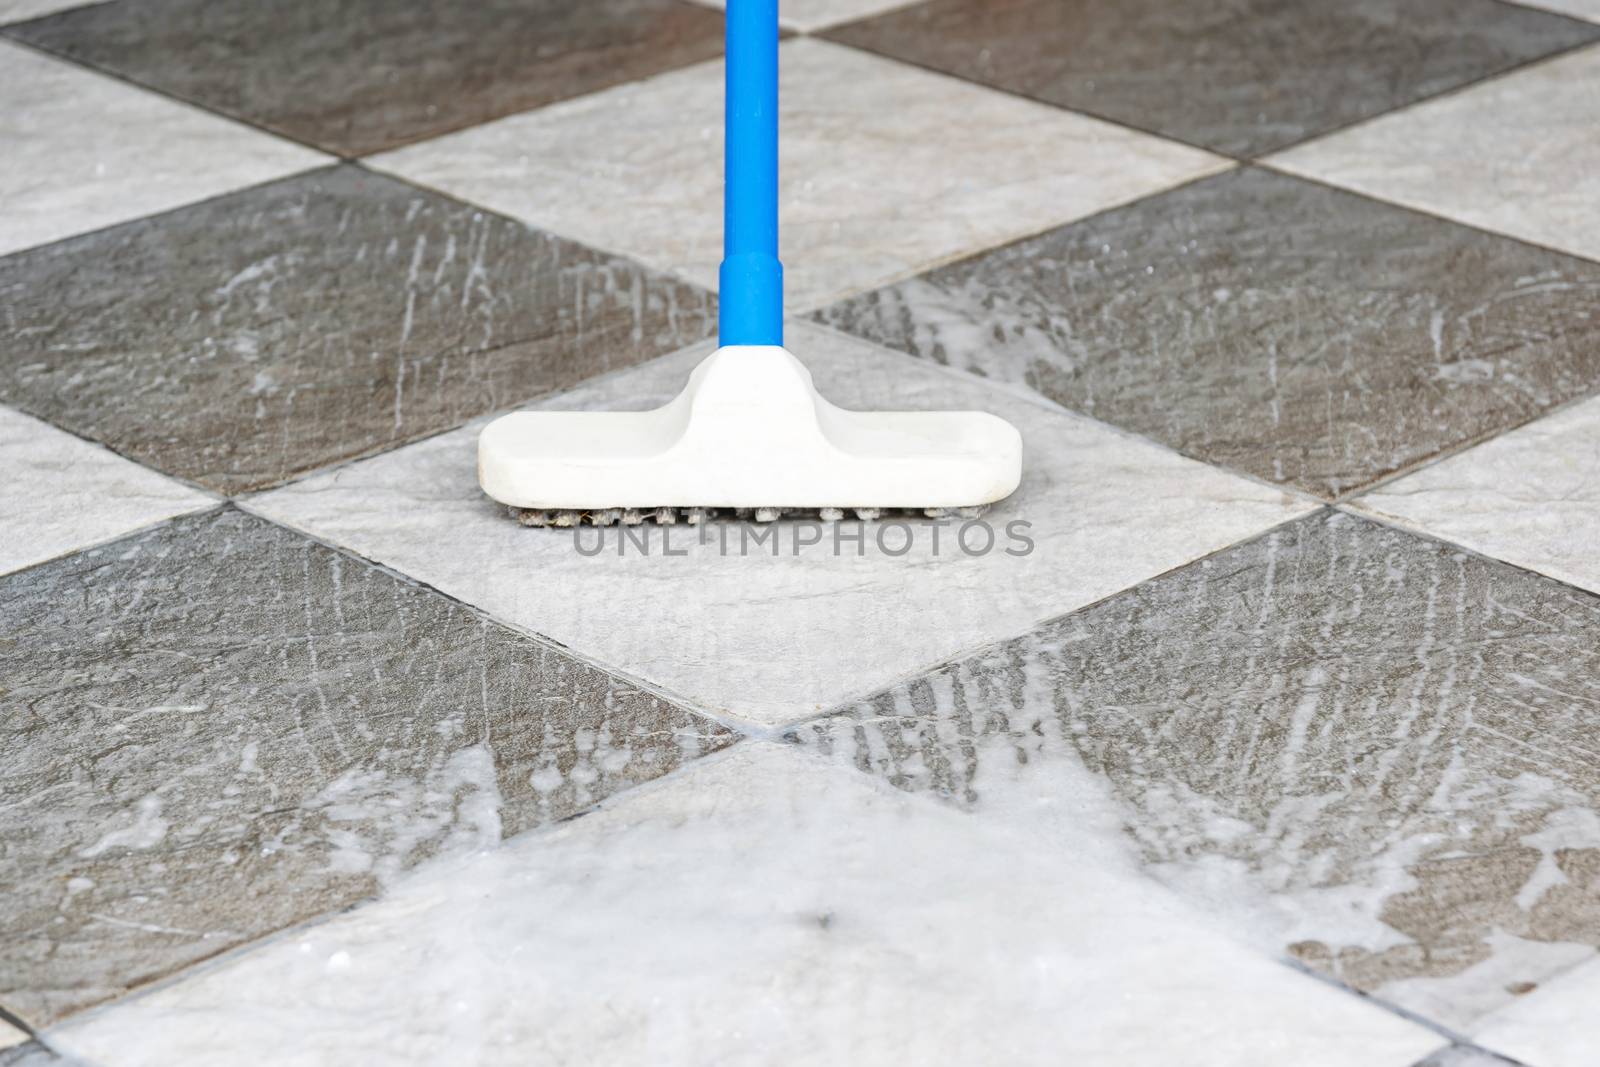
772	639
1517	155
1557	1026
18	10
761	907
1578	9
1531	497
10	1035
84	151
811	15
885	169
60	493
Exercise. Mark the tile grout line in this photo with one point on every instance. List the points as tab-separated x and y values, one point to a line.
17	1022
154	216
1469	445
1428	534
111	75
1238	157
1545	9
1314	179
1223	165
839	709
1453	1037
137	531
739	728
1037	399
194	968
1464	87
10	404
335	466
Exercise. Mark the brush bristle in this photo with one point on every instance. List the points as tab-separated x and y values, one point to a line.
667	516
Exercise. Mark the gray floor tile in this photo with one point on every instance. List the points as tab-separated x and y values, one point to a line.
1368	750
34	1054
218	728
1465	1056
358	76
243	341
1298	333
1255	75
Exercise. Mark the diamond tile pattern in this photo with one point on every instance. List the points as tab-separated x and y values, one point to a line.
1516	156
1255	74
1281	328
1280	665
884	170
83	152
776	631
1367	750
219	728
357	76
566	942
249	339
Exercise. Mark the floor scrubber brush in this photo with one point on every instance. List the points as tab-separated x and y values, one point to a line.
749	432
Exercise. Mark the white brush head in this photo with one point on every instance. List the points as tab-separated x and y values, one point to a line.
749	430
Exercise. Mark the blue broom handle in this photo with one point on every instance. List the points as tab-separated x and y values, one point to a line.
750	300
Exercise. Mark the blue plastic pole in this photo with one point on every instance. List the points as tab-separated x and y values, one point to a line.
751	278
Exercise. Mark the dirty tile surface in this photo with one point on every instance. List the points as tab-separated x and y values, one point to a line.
218	728
307	747
244	341
1368	750
772	632
1301	334
61	493
358	76
1256	74
1553	1027
858	900
83	152
1516	155
1531	497
884	169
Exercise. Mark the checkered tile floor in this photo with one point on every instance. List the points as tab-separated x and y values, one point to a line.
1279	743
